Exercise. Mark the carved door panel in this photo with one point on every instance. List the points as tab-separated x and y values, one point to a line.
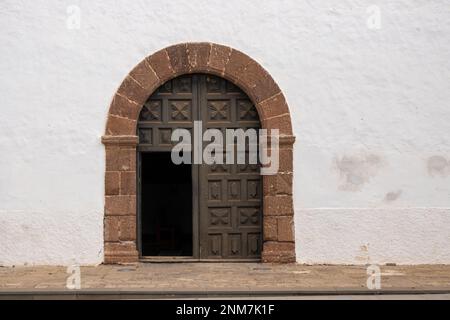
230	194
173	105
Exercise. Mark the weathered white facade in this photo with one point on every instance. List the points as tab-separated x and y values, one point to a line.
367	83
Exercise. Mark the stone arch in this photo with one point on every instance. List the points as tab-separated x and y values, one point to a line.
120	142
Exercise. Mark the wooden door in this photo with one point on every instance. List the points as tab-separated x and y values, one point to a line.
230	194
227	198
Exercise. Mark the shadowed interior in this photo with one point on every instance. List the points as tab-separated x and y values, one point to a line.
166	200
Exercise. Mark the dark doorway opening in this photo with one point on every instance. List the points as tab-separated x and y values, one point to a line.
166	206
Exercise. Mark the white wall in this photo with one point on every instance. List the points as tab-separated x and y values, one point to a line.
370	108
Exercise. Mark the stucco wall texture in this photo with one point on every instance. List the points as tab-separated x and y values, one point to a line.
370	105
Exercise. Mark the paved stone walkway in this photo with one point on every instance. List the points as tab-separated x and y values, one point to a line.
226	276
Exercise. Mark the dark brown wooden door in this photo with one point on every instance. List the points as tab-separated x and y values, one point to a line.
230	194
227	198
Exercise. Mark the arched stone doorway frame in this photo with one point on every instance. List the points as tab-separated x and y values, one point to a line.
120	142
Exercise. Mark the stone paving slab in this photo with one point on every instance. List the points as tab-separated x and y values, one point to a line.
214	277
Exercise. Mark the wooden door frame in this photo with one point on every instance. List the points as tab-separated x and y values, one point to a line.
120	140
